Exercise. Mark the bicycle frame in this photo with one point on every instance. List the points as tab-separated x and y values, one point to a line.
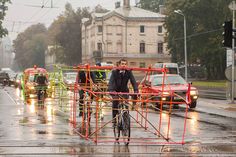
122	123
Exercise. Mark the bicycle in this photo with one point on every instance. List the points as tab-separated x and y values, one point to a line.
122	120
1	86
86	107
41	94
100	87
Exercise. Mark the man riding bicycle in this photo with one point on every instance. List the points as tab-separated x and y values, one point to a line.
119	83
42	83
100	75
85	79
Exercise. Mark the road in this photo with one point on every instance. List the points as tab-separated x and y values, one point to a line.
27	129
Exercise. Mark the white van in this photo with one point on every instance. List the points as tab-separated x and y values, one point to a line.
173	68
106	64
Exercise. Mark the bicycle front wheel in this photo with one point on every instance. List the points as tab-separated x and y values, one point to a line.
126	128
116	128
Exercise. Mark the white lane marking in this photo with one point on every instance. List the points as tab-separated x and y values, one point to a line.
10	97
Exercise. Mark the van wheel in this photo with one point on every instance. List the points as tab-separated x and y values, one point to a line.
157	106
193	104
175	106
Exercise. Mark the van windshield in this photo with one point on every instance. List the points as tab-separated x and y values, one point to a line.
31	78
172	71
171	67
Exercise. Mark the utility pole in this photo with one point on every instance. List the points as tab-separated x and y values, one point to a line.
232	6
185	44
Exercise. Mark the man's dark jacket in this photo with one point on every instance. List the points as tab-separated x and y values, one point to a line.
82	77
119	81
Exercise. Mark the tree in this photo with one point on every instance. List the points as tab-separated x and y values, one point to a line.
100	9
30	47
152	5
3	8
65	34
204	33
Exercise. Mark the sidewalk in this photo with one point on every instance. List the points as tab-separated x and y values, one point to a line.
219	107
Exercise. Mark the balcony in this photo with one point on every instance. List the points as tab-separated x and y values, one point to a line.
97	54
134	55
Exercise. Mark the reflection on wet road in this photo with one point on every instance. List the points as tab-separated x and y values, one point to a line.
31	128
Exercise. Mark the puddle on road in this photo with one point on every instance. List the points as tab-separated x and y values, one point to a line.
231	109
121	150
41	132
24	120
62	133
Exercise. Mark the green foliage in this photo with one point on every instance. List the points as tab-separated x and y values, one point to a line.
100	9
30	47
210	84
204	33
65	33
204	19
152	5
3	31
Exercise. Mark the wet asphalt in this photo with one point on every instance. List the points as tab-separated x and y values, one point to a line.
28	129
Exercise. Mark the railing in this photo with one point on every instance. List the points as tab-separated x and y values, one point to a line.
135	55
212	93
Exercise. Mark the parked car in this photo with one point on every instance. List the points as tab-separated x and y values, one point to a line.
173	89
69	78
12	79
4	78
29	80
18	80
11	75
172	68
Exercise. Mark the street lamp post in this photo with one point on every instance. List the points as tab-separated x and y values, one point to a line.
185	44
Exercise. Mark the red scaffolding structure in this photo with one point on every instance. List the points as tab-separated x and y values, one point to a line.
149	126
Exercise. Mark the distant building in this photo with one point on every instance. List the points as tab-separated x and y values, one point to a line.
6	53
126	32
50	57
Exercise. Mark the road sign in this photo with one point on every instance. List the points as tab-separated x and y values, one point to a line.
228	57
228	73
232	5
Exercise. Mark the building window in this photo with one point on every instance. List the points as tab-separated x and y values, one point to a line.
109	30
119	47
160	48
118	30
109	47
142	47
99	29
142	65
142	29
99	46
159	29
132	63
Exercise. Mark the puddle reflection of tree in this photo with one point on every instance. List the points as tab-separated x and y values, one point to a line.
120	150
42	115
83	129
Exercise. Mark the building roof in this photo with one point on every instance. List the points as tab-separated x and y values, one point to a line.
131	13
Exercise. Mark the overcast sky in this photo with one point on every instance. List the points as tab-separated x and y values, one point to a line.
23	13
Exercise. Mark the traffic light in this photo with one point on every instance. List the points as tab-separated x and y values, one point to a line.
227	42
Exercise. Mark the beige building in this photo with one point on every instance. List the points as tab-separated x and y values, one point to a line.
126	32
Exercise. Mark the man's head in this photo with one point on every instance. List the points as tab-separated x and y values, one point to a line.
123	62
98	64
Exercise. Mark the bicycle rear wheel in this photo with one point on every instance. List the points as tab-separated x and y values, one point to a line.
116	128
126	128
